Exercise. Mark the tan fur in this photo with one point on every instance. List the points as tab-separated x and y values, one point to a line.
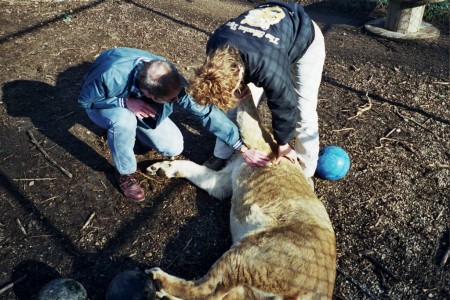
284	243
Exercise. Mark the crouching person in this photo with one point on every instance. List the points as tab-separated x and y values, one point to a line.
131	93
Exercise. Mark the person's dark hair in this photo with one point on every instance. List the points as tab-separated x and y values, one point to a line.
160	77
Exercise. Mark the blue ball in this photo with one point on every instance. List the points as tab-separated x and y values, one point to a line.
333	163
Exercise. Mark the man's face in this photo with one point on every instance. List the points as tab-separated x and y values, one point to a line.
172	96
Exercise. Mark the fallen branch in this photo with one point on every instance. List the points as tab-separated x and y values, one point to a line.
4	289
355	282
36	143
361	109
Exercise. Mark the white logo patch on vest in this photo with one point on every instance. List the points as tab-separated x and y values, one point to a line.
261	18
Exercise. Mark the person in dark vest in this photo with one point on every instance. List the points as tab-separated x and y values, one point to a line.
277	50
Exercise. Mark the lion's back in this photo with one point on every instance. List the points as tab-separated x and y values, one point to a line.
276	209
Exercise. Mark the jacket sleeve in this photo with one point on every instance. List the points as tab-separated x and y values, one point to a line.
213	119
102	91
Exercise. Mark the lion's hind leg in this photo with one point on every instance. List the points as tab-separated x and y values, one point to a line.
220	282
172	287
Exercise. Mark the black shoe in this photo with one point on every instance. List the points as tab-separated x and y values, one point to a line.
215	163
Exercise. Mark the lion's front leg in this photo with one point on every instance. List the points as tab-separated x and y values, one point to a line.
169	168
217	184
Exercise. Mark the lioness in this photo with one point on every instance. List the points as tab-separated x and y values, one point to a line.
283	241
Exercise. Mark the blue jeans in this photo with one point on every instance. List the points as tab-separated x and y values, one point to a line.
123	127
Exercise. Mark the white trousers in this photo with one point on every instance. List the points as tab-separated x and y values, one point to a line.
306	75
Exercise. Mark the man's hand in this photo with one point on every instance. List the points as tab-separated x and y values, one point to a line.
286	151
140	108
255	158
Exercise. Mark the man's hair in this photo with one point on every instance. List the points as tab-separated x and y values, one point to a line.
160	77
216	79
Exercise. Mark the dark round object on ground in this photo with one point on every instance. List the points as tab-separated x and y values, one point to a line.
62	289
131	285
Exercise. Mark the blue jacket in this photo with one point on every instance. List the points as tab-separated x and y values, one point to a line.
270	38
108	83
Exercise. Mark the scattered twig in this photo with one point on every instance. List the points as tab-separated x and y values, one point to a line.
390	132
441	82
7	287
151	236
439	165
65	116
447	254
354	68
403	143
49	199
355	282
377	264
338	297
415	122
103	184
144	175
378	221
152	178
342	129
184	249
361	109
88	221
36	143
439	215
8	157
21	226
33	179
41	236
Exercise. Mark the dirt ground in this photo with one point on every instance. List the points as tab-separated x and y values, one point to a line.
385	102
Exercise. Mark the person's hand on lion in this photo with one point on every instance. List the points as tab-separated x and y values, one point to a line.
255	158
286	151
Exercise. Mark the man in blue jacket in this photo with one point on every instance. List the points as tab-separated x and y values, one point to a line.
277	49
131	93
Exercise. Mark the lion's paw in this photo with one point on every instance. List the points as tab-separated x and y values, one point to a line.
164	169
